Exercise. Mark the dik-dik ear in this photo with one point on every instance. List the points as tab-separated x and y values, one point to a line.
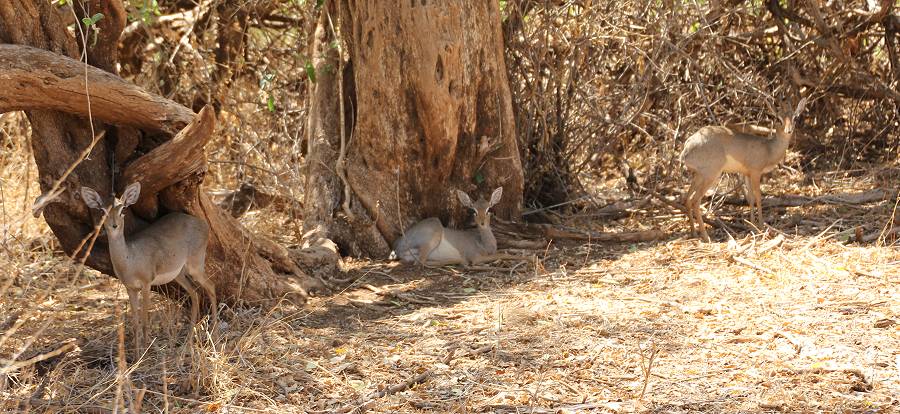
495	196
464	199
91	198
130	196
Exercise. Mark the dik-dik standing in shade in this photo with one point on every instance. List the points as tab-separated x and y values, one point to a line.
429	243
171	248
716	149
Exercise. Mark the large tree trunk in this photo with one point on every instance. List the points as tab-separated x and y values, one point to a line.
426	111
138	145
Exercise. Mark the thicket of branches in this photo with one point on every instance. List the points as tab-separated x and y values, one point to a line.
598	84
599	87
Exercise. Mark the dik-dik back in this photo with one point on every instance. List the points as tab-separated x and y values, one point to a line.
719	148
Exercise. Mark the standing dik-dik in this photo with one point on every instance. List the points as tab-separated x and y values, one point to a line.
716	149
429	243
171	248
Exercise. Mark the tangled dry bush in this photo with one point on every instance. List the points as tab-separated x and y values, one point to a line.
600	88
599	83
248	59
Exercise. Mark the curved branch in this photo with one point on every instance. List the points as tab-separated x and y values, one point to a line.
37	79
174	160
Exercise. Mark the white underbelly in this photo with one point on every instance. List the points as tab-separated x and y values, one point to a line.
444	251
163	278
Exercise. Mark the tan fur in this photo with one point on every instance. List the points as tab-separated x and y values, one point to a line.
429	243
714	150
170	249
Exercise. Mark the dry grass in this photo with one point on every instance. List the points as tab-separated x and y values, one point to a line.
800	321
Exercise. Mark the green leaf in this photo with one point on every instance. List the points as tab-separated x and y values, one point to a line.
61	2
270	103
90	21
479	178
319	3
310	72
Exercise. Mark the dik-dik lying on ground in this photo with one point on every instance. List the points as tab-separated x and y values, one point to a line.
429	243
170	249
716	149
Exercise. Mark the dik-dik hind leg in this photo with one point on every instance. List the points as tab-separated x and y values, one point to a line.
689	200
192	292
696	198
426	248
145	310
689	211
198	273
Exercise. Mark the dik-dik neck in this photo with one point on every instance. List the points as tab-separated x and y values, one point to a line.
779	145
488	241
119	253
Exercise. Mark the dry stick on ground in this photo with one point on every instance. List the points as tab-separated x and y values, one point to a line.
11	366
748	263
792	200
771	244
827	370
59	406
364	403
647	367
796	343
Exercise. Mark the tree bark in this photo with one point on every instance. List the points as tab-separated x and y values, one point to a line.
138	145
427	111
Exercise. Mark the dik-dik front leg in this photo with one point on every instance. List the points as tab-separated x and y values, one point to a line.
145	313
137	330
754	180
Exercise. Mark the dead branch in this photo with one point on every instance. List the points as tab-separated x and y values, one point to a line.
40	79
792	200
59	406
177	159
